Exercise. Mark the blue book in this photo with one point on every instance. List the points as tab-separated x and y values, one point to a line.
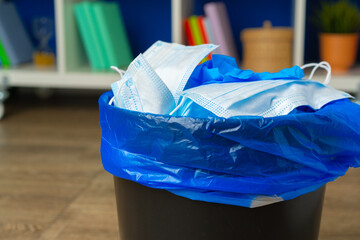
13	35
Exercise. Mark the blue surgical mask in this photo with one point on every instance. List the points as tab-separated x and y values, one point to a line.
141	89
267	98
174	63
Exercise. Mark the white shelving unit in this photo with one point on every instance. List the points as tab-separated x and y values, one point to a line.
73	71
349	82
184	8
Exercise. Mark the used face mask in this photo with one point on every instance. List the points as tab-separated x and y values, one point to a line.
266	98
141	89
174	63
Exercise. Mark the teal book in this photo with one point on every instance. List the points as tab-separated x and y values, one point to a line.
89	32
112	30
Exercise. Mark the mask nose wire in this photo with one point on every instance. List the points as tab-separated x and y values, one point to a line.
121	72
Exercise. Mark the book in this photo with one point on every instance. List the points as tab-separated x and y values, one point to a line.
195	30
4	59
188	34
15	40
209	33
204	33
203	30
220	25
89	32
113	33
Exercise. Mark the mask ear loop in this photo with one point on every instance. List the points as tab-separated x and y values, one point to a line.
325	65
121	72
328	75
178	106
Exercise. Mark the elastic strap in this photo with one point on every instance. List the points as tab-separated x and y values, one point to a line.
325	65
121	72
178	106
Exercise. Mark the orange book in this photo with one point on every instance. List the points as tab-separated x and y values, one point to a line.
189	37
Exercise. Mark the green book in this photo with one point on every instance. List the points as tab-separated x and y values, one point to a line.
5	61
89	32
195	30
113	32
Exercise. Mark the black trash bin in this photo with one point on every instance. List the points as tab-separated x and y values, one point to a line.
152	214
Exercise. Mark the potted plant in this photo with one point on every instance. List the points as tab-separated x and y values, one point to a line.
339	23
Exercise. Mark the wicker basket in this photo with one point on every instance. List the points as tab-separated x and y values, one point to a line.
267	48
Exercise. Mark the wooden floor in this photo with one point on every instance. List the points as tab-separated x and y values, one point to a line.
53	186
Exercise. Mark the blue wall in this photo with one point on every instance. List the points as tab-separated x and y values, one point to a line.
150	20
146	22
29	10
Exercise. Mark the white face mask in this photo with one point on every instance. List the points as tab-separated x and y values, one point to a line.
266	98
141	89
174	63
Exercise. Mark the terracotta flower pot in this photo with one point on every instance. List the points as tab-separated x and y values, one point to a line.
339	50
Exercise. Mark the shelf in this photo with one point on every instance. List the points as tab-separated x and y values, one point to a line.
29	68
348	82
30	76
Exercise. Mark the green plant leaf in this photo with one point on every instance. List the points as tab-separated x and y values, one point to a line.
337	17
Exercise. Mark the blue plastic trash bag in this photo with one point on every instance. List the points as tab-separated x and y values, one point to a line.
244	161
